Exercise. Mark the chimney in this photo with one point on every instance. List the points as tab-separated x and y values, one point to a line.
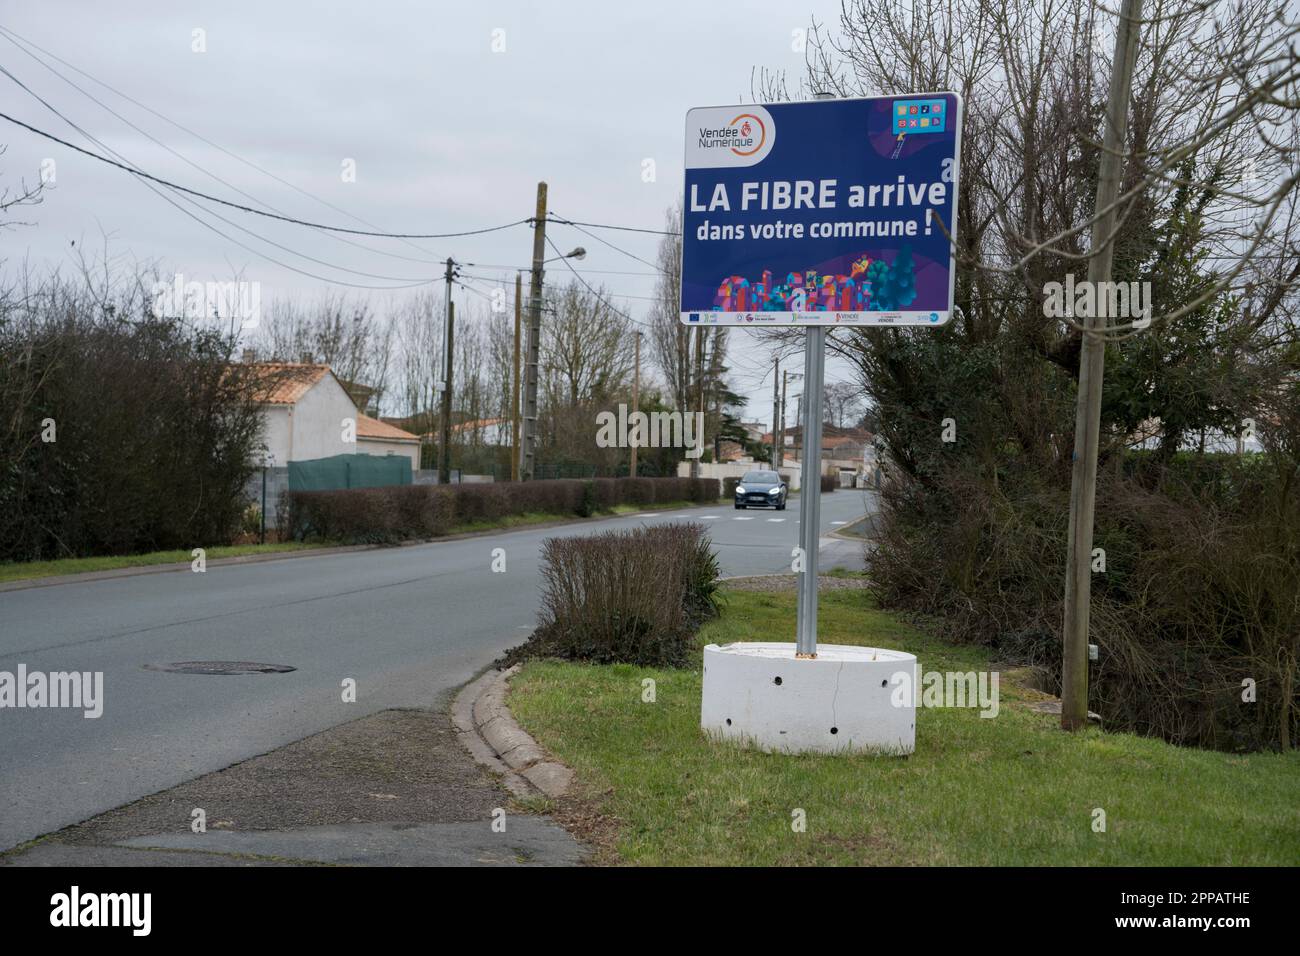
250	356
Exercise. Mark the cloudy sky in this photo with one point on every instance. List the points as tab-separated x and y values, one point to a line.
450	112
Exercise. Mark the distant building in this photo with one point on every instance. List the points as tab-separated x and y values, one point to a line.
306	409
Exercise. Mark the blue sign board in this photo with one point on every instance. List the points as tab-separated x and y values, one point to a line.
821	213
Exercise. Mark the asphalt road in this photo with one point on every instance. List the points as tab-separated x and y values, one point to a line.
407	624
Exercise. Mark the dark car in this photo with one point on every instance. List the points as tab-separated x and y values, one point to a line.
761	489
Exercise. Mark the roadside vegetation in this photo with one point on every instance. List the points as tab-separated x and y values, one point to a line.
633	596
1196	586
29	570
414	512
1008	790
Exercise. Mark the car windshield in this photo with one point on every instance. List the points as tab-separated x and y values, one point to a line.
760	478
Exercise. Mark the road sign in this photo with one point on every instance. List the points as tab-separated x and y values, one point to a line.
828	212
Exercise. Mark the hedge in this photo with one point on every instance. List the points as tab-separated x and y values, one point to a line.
408	512
635	596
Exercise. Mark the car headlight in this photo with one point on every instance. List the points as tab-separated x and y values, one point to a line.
775	491
740	489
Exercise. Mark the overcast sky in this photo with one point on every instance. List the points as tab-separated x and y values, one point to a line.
446	133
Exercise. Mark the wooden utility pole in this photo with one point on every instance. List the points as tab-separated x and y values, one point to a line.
514	397
529	466
778	423
1087	422
444	458
636	401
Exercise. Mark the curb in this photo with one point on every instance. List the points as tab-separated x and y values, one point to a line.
487	730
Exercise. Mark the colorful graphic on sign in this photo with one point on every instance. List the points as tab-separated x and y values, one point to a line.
822	212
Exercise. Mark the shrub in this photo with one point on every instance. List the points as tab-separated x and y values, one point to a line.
830	482
587	506
1199	591
635	596
406	512
640	491
729	487
152	429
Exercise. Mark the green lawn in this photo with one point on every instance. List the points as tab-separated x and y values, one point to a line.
25	570
1012	790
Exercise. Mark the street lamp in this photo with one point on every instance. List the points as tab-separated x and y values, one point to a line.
578	253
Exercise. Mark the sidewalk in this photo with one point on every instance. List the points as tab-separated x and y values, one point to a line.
393	789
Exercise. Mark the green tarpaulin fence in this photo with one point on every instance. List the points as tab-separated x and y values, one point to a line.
349	471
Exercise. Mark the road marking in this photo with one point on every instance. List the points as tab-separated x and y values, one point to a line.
648	515
708	517
839	522
775	519
738	518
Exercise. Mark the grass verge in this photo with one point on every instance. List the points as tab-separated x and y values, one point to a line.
1011	790
26	570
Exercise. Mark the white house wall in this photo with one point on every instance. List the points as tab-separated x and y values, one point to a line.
275	432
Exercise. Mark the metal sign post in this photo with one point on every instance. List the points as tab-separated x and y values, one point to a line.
810	493
830	212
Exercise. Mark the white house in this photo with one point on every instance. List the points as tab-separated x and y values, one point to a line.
308	414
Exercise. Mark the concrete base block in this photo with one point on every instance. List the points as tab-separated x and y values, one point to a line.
846	699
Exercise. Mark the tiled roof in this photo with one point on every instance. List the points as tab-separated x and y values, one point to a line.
373	428
283	383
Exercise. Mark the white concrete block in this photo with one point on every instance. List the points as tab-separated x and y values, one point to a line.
761	695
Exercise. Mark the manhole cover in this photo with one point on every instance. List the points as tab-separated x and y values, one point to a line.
220	667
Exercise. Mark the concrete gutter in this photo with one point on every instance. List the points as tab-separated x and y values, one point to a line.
489	732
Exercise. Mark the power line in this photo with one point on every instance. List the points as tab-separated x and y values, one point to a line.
249	209
606	272
599	297
14	36
195	165
604	225
611	245
356	285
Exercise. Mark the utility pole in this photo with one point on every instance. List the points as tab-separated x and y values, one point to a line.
514	398
636	400
444	460
1087	422
444	452
778	423
534	337
785	379
803	435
